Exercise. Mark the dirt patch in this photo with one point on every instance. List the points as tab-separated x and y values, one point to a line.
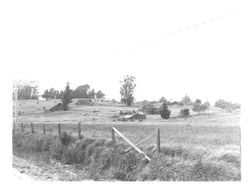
29	170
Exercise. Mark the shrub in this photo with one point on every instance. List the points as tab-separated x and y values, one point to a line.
66	139
226	105
201	107
184	113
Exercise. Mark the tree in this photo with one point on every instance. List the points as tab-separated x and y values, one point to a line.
127	90
50	94
162	99
92	94
196	108
164	111
81	91
226	105
185	113
46	94
100	94
201	107
27	89
186	100
60	94
67	97
207	104
197	101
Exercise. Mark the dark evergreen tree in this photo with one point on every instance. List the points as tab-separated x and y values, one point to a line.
165	112
67	97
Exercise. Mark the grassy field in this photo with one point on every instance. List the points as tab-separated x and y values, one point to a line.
33	111
211	140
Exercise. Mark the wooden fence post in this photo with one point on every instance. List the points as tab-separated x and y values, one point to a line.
22	127
32	128
79	131
59	129
113	135
158	140
44	130
14	127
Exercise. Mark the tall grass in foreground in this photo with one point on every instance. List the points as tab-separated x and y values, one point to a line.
106	160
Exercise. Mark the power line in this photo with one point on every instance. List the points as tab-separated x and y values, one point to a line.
188	28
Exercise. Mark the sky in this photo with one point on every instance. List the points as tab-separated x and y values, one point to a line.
173	48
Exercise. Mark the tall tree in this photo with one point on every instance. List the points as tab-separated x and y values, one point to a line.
27	89
81	91
164	111
100	94
50	94
46	94
162	100
186	100
127	90
67	97
197	101
60	94
92	94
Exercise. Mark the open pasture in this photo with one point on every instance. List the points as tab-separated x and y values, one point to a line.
33	111
206	145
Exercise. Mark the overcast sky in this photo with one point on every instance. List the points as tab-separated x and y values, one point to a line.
173	48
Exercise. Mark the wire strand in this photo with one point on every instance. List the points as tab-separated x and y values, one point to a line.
188	28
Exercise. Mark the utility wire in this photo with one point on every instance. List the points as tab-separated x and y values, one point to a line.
188	28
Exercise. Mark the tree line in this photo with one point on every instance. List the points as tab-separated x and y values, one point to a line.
82	91
29	90
26	89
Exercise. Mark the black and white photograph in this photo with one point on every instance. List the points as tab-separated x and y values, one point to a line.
126	92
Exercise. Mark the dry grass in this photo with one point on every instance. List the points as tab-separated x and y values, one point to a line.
106	160
209	138
33	112
205	147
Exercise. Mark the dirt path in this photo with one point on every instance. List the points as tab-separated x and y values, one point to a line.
29	170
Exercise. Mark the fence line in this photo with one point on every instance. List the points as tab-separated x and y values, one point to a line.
22	127
32	128
113	131
44	129
79	131
59	129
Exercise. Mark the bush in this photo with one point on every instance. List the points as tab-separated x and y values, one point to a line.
66	138
107	160
184	113
149	108
201	107
226	105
